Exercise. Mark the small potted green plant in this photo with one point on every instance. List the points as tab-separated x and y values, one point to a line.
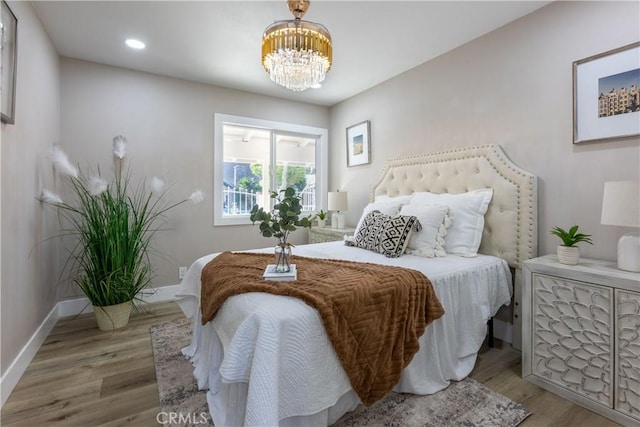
568	252
321	217
282	220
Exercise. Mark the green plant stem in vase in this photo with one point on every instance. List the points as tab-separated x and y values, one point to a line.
282	220
283	257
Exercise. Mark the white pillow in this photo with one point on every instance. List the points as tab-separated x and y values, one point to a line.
396	199
465	234
428	242
390	208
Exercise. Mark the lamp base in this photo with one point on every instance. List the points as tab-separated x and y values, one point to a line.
629	252
337	220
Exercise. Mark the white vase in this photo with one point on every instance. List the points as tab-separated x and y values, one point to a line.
112	317
322	223
569	255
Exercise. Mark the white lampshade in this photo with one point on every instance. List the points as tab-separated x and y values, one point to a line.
621	204
621	207
337	201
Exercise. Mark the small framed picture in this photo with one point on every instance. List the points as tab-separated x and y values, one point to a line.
606	95
8	36
358	144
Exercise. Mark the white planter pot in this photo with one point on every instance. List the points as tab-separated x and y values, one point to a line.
112	317
569	255
322	223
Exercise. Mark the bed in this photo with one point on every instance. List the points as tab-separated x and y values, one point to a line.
266	359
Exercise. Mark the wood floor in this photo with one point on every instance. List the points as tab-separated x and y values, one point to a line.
84	377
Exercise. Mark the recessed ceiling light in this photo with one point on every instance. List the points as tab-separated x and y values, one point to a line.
316	86
135	44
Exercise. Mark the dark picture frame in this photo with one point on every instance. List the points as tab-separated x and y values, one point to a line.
606	95
359	144
9	52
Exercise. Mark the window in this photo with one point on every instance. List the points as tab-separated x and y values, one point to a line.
254	157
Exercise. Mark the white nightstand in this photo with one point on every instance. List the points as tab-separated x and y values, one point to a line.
328	234
580	334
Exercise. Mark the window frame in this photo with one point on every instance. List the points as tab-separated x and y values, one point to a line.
321	160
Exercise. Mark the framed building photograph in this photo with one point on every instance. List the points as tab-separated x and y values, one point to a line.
606	95
358	144
8	37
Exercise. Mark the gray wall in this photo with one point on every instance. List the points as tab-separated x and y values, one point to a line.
29	270
512	87
169	127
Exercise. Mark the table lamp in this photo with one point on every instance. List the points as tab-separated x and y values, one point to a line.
337	203
621	207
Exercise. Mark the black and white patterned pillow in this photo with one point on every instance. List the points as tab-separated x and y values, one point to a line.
386	234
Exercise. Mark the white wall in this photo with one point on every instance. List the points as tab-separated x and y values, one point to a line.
27	284
169	127
511	87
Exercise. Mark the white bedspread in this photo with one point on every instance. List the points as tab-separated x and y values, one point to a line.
279	342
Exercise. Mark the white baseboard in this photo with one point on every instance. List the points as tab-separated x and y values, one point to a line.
64	308
13	374
165	293
72	307
503	330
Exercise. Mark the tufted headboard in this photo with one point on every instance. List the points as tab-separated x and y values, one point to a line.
511	229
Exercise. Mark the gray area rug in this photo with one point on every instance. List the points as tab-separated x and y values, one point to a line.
465	403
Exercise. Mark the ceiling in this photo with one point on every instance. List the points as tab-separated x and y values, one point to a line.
218	42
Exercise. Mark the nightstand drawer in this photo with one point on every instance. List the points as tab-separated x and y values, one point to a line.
572	336
326	234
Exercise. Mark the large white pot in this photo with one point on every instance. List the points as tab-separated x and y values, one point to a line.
112	317
569	255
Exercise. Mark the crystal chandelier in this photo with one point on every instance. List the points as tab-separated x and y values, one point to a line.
296	53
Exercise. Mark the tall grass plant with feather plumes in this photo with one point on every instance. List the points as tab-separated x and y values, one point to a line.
114	224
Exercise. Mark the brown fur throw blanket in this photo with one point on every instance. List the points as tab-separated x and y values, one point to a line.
373	314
